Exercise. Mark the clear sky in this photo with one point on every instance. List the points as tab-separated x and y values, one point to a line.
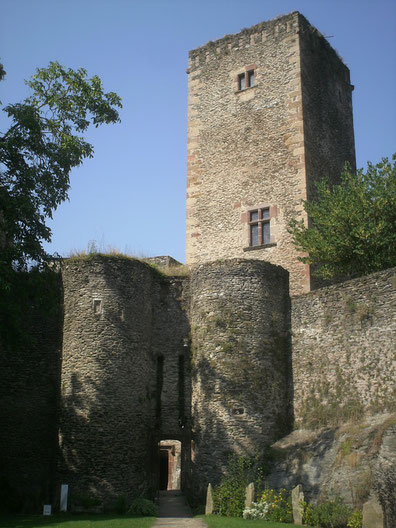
131	196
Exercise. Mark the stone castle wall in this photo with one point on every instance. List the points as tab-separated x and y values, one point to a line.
222	359
326	107
30	356
205	360
243	146
326	113
170	345
262	146
344	353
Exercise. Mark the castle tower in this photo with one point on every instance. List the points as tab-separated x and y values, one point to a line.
269	113
241	377
106	424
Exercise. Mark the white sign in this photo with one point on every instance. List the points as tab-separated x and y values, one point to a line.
63	497
47	509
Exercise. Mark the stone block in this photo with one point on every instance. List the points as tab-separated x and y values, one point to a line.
209	500
249	495
297	498
373	516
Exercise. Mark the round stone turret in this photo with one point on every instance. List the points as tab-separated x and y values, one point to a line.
107	413
240	361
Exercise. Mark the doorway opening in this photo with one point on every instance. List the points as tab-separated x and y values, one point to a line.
170	465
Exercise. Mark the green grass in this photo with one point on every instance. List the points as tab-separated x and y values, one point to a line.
76	521
216	521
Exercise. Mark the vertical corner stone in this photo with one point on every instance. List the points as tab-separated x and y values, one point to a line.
209	500
373	516
249	495
297	498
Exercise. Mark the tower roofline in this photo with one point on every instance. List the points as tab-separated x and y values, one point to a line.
225	44
244	31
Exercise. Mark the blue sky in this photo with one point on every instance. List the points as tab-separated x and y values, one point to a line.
131	196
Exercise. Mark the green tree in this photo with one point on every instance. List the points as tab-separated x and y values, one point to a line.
352	227
38	152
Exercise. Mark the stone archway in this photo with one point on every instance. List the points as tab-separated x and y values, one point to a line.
170	465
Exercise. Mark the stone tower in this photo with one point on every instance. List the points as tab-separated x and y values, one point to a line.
269	113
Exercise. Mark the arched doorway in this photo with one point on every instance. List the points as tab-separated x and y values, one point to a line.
170	465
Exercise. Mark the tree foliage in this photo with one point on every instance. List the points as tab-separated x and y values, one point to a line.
352	229
38	152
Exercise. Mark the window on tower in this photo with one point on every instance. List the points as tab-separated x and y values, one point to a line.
241	81
259	227
259	224
246	79
250	77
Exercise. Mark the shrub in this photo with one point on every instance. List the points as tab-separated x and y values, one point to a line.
121	505
143	507
84	502
272	507
229	496
258	510
280	505
355	520
331	514
307	513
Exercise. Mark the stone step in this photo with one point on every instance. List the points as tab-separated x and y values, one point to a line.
174	512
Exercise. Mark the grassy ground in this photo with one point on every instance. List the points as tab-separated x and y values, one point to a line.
215	521
76	521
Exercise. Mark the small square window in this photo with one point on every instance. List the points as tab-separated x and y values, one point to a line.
97	306
250	78
241	81
246	79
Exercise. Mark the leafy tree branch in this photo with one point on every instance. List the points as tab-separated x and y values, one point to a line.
37	153
352	226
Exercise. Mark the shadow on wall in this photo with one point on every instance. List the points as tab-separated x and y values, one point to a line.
108	392
241	362
109	429
30	343
229	425
99	444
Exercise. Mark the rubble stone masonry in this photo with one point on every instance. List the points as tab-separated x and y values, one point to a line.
262	146
123	336
344	350
219	361
241	363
